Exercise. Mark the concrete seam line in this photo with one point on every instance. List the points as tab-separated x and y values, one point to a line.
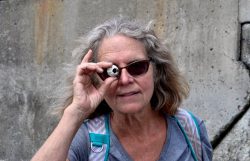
228	127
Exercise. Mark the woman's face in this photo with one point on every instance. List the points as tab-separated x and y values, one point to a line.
128	94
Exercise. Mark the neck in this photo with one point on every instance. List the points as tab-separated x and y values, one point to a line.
142	123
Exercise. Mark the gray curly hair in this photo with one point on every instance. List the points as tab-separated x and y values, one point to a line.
170	88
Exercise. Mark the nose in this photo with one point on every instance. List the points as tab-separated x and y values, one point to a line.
125	77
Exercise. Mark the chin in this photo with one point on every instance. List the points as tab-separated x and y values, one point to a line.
130	109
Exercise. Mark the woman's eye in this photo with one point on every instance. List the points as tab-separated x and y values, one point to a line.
113	71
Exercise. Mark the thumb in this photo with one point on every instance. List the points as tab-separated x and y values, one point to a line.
105	85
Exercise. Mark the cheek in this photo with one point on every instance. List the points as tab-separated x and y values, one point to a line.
151	75
148	84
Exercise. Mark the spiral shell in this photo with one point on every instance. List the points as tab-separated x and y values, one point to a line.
113	71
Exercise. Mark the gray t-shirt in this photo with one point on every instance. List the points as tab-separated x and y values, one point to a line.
174	149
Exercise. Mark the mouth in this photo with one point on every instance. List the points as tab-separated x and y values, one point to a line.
128	94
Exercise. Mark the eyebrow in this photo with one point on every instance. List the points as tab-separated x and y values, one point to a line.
132	61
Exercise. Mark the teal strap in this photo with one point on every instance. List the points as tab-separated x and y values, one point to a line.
196	122
186	138
100	142
108	134
98	139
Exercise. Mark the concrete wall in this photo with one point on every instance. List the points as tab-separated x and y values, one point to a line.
236	145
209	39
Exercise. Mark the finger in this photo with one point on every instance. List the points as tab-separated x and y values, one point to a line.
104	64
105	85
87	57
86	68
79	78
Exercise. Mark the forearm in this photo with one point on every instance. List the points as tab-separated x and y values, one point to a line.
57	145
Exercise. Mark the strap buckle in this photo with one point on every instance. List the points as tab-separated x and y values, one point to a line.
96	148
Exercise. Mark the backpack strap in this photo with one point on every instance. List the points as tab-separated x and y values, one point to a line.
191	131
99	138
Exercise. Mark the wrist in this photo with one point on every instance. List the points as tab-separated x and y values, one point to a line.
75	114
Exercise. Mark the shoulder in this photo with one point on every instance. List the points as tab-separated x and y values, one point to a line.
189	120
80	145
197	126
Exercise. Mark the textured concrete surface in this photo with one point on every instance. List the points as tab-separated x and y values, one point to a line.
204	36
236	145
245	45
36	38
244	11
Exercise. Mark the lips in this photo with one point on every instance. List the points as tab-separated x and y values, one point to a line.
128	94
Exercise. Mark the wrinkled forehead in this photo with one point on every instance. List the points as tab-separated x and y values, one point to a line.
119	44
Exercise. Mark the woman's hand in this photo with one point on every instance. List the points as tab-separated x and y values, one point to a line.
86	96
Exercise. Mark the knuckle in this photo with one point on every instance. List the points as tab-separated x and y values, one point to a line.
78	68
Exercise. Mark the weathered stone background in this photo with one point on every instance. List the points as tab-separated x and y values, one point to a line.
210	41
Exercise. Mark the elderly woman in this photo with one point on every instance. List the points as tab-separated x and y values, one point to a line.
125	94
